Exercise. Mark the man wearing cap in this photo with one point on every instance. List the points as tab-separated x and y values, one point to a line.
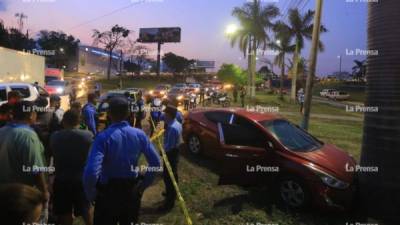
89	113
172	142
111	177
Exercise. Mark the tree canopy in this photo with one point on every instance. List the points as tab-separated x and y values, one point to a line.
177	63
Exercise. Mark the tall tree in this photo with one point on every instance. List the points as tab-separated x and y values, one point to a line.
12	38
141	56
110	40
231	73
359	69
381	139
302	69
300	27
255	20
284	46
177	63
65	46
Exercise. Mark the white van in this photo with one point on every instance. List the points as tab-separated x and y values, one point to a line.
28	91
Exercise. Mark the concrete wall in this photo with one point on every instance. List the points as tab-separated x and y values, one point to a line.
18	66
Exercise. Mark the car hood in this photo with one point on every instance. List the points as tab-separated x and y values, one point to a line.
332	160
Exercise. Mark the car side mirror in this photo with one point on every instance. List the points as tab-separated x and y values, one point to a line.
269	146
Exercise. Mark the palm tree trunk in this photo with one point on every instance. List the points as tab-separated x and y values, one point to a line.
282	76
295	71
253	66
381	140
249	67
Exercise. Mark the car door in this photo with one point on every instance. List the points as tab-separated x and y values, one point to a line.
209	131
249	157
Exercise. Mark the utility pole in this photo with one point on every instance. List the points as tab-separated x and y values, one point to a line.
313	64
121	67
20	17
158	58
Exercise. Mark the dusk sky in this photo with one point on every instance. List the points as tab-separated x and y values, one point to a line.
203	23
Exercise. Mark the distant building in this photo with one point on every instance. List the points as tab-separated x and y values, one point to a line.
202	66
95	60
340	76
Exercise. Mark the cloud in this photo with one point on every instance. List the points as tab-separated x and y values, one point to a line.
3	5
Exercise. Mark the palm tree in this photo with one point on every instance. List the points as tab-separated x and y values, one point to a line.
283	46
381	139
255	20
300	27
302	69
359	69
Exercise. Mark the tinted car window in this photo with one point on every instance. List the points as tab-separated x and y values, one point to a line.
42	91
56	83
219	117
23	90
3	94
244	133
291	136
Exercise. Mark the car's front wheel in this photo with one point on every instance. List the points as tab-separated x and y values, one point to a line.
194	144
293	193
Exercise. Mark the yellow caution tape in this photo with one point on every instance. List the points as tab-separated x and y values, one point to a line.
171	173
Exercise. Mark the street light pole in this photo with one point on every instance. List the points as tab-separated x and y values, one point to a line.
158	58
313	64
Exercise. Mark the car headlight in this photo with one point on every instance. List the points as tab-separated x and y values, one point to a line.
332	181
59	90
180	97
162	92
151	92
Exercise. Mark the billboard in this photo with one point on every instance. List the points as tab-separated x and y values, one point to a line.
205	64
162	34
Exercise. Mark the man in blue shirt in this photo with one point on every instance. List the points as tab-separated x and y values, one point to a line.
111	177
172	142
89	113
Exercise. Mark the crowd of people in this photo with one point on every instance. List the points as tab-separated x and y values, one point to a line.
56	165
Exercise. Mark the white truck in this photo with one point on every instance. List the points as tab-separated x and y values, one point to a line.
19	66
19	70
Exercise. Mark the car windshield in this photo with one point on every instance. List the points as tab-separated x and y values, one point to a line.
56	83
291	136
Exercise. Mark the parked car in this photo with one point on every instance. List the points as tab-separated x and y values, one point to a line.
58	87
180	86
28	91
176	95
194	87
338	95
261	149
161	91
325	92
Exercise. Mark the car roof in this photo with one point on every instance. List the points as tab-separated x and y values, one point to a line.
16	84
256	116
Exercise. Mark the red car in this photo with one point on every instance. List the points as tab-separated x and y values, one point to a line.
262	149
